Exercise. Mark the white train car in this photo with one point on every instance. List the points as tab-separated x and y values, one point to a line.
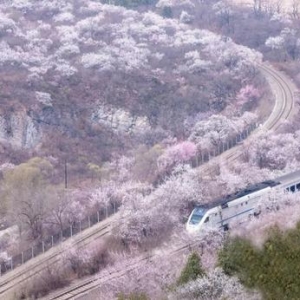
239	206
235	207
290	182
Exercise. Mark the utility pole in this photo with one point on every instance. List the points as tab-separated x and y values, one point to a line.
66	174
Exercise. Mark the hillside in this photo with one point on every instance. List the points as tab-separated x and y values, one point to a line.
121	105
83	80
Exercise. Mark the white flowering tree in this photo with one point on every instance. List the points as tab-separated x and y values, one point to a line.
146	217
213	132
285	44
180	153
215	286
273	151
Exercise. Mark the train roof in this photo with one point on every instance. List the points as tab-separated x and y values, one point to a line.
249	190
285	179
241	193
289	178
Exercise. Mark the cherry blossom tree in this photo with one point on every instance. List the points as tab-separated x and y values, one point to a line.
224	12
216	285
156	214
185	17
211	133
121	168
176	154
87	261
286	43
247	97
150	277
272	151
111	194
66	211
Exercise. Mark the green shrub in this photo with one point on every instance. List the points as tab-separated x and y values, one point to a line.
133	296
192	270
274	269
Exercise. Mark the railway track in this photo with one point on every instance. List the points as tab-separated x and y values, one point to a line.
284	109
84	287
12	280
283	90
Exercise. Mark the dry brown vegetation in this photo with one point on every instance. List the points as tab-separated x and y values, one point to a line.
74	264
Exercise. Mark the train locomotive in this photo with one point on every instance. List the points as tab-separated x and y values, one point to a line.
240	205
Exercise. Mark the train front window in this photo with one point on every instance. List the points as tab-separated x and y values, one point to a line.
197	215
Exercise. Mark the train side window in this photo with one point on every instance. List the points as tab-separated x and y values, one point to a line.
298	186
292	188
206	220
246	202
216	214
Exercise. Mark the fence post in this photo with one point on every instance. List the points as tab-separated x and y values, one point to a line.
51	240
89	221
22	257
98	216
43	246
0	269
11	263
71	229
32	252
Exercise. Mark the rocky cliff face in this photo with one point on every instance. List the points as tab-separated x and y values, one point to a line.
19	130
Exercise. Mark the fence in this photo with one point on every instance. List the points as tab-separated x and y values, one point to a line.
89	221
204	157
56	239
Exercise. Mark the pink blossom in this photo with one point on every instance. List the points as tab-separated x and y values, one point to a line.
248	93
179	153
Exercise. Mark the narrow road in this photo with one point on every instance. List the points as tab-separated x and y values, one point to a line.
283	89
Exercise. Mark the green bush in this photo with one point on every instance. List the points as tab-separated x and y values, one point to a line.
133	296
192	270
274	269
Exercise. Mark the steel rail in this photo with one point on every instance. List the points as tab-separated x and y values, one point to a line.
15	279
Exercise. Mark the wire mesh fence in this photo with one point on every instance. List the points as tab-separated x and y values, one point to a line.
77	227
205	156
55	239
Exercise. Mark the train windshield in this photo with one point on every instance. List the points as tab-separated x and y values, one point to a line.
197	215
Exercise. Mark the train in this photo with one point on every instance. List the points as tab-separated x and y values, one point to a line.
239	205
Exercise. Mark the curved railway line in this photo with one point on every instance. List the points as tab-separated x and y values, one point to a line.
283	89
283	109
